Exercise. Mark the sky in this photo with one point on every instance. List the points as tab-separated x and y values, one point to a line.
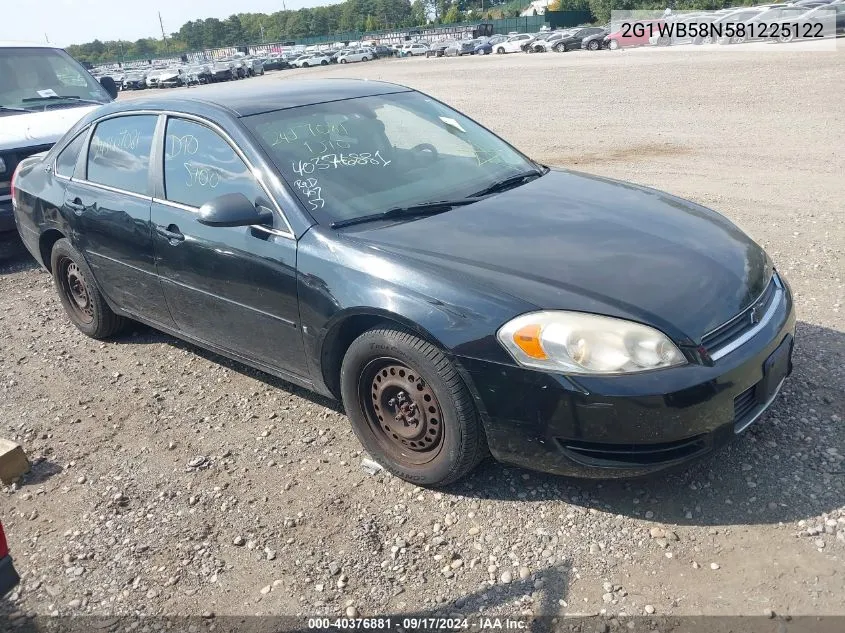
67	22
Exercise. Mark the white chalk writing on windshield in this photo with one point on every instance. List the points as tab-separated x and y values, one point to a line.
307	130
335	161
312	192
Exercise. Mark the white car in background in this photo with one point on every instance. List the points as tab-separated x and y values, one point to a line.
412	50
356	55
312	59
514	43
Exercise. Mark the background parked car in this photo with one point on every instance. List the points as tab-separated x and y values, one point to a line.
595	42
222	71
196	75
485	45
438	49
312	59
356	55
383	51
458	48
135	80
254	66
572	40
514	43
634	33
276	63
414	50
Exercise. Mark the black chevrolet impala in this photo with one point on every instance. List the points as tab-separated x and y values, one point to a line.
368	242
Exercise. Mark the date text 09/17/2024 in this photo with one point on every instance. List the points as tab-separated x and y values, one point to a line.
417	624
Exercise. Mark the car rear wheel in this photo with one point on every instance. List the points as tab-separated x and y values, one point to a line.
410	408
364	59
81	298
593	46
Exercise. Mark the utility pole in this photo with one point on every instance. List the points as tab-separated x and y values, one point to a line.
164	37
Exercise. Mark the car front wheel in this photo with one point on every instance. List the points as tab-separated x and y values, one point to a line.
324	63
81	298
410	408
613	45
593	46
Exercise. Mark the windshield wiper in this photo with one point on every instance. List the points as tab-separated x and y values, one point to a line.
54	97
424	208
508	183
12	109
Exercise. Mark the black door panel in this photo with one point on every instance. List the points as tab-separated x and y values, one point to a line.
233	287
113	232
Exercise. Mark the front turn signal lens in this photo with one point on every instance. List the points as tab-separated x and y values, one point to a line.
527	338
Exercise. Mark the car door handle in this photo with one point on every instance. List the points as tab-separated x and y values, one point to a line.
76	205
172	233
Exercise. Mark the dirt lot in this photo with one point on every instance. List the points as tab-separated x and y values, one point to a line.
172	481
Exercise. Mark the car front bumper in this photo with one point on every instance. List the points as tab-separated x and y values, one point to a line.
8	576
624	426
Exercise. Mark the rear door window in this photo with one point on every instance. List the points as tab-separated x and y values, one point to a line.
119	154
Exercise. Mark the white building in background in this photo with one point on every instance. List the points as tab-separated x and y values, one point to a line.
537	5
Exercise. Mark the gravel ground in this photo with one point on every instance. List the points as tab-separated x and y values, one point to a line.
168	480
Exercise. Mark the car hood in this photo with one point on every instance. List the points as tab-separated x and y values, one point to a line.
19	131
573	241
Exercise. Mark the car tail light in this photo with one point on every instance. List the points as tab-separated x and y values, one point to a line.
4	548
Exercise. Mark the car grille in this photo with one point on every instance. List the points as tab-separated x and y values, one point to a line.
11	159
602	454
722	340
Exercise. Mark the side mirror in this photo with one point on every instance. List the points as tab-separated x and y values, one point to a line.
110	86
234	209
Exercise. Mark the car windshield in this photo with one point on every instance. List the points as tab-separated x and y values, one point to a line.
35	78
356	157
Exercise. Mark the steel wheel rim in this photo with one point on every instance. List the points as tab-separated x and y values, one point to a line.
76	290
402	411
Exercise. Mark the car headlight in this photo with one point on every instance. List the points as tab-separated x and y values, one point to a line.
580	343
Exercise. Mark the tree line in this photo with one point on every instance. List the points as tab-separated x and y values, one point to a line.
349	16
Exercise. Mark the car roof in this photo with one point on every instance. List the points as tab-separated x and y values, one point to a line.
14	44
259	97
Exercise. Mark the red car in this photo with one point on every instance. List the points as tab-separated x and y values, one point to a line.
8	576
634	33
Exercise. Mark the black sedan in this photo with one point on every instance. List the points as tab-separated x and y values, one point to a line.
276	63
368	242
573	41
594	42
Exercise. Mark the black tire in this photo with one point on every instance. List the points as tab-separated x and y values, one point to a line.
500	50
81	298
364	59
613	45
324	63
559	48
449	440
594	45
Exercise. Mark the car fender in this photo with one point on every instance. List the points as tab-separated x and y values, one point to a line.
339	278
